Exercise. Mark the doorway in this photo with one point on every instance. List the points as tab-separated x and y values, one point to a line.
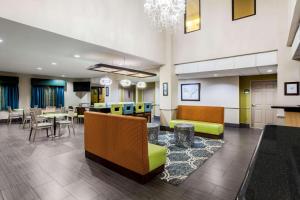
263	96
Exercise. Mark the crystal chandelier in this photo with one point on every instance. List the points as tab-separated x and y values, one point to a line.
165	14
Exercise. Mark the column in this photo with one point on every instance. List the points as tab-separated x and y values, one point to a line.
168	104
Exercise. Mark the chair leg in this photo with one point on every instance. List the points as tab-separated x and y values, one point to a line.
34	134
10	121
30	133
59	127
24	121
52	133
69	129
73	129
47	132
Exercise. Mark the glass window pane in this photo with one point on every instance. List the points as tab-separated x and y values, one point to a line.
192	16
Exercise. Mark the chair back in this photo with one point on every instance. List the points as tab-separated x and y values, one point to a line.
139	107
122	140
116	109
213	114
34	122
80	110
147	107
128	108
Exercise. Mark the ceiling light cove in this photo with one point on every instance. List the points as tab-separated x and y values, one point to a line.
120	70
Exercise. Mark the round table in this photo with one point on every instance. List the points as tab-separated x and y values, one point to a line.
184	135
153	130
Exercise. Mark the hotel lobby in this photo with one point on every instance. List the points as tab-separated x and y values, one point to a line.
150	99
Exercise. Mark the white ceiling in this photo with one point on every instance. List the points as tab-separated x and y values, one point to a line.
24	49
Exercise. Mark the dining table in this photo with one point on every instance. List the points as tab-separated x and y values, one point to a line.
54	116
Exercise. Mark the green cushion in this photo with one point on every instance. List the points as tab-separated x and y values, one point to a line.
201	127
157	156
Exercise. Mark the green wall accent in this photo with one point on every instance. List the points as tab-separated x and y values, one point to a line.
245	99
140	95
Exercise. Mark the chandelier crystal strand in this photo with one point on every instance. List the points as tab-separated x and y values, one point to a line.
165	14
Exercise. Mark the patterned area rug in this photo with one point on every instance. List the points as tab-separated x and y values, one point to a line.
182	162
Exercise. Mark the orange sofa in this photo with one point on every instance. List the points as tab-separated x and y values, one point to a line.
208	121
121	144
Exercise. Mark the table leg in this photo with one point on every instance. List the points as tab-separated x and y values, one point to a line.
54	126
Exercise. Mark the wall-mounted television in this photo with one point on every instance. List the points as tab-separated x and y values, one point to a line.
81	86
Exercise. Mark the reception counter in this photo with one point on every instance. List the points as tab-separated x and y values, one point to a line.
291	115
274	171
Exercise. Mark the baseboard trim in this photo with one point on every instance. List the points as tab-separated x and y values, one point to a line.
242	125
232	125
124	171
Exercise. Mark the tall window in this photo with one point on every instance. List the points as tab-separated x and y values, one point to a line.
192	17
243	8
9	92
46	92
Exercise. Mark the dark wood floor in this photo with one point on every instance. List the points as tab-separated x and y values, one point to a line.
58	170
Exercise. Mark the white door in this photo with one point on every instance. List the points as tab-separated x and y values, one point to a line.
263	96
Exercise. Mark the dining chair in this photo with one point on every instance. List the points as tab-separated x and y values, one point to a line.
36	125
80	114
13	115
69	122
27	118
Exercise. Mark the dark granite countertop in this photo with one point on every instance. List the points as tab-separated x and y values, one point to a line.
274	171
288	108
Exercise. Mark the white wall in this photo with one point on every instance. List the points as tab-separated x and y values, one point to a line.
221	37
116	24
217	92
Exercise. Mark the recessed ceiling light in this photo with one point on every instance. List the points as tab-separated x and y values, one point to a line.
39	68
63	75
270	70
1	40
215	75
53	63
76	56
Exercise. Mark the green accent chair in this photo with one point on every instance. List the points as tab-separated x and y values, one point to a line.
116	109
139	107
201	127
99	105
157	156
